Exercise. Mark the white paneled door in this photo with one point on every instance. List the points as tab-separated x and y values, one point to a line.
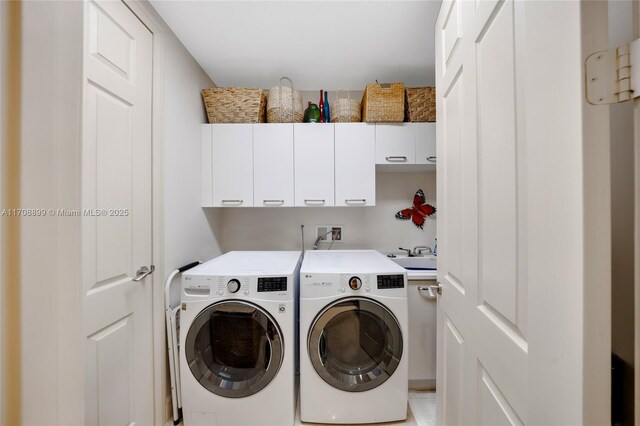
116	196
511	253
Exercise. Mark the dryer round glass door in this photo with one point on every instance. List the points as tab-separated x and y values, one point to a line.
234	348
355	344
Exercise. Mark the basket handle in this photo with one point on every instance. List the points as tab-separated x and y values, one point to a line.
383	85
284	77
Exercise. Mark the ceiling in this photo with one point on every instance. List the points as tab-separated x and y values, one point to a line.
318	44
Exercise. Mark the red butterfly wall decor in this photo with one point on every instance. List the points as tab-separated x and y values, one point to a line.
418	212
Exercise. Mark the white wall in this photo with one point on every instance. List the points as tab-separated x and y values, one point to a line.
364	227
190	232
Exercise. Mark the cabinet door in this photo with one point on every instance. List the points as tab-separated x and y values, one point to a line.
425	134
313	164
395	144
422	336
232	152
206	166
272	165
355	164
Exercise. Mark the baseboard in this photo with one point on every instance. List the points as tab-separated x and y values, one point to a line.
422	385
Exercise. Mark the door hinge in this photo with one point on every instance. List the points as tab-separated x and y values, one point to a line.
613	75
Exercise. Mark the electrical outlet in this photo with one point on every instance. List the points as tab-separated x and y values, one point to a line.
336	233
329	233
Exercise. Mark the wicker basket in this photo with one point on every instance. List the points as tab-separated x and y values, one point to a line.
284	104
421	104
234	105
383	103
345	110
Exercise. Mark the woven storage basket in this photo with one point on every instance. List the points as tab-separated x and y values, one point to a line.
284	104
234	105
383	103
345	110
421	104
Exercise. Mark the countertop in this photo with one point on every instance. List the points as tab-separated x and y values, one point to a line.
422	275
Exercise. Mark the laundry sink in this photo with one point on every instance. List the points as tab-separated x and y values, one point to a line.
416	263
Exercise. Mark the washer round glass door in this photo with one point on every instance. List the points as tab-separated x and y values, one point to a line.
234	348
355	344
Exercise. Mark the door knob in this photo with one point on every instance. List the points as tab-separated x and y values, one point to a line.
143	272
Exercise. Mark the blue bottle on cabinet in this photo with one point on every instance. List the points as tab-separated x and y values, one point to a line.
327	114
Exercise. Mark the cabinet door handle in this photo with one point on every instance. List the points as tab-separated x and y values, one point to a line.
431	158
273	201
232	201
355	201
311	201
430	289
397	158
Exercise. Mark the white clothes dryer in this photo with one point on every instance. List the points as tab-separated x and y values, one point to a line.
353	338
238	343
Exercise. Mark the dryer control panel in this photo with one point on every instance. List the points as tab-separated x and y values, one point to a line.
276	288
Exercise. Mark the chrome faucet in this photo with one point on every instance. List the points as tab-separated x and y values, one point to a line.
417	250
409	253
315	244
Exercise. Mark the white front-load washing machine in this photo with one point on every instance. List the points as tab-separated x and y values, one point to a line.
238	339
353	338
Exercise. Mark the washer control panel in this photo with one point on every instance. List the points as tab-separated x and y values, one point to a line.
269	284
257	287
355	284
390	281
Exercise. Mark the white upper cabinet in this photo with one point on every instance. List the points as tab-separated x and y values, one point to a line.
273	165
395	144
303	164
314	164
425	137
232	171
406	146
355	168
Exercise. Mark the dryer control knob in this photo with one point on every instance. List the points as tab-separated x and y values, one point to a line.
355	283
233	286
